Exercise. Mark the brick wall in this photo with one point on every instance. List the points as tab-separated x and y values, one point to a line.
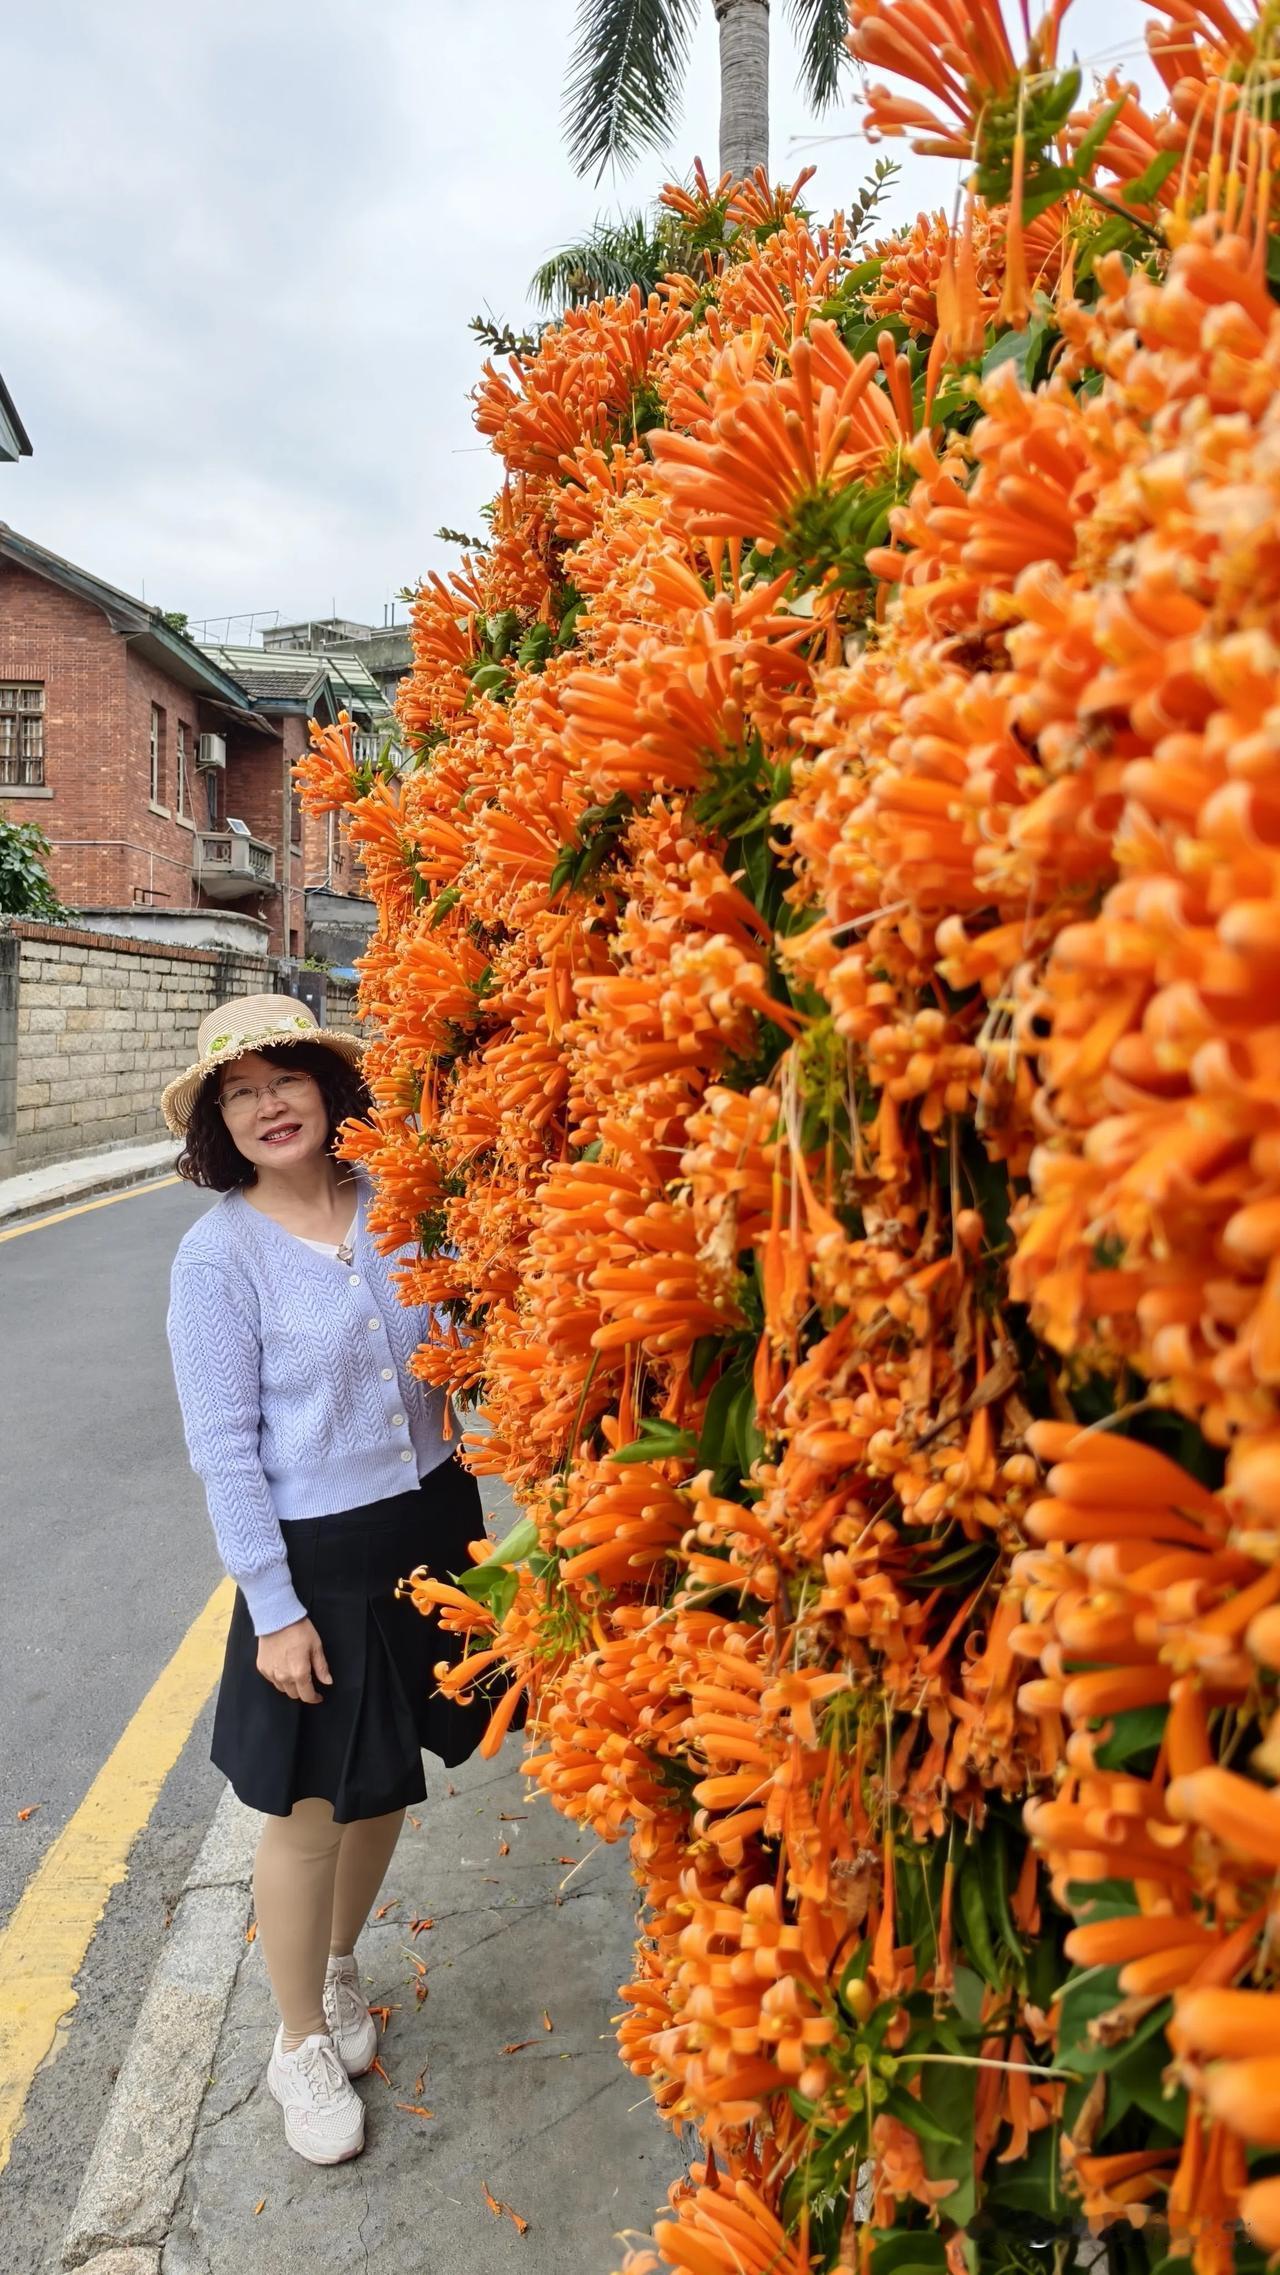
113	845
50	635
93	1026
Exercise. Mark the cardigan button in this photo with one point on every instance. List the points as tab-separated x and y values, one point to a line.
397	1419
406	1455
374	1325
355	1279
388	1374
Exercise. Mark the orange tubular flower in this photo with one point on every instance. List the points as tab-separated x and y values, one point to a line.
824	1041
958	52
780	442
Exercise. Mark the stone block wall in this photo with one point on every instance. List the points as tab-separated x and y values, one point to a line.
93	1025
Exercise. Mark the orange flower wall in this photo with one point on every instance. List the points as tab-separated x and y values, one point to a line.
827	984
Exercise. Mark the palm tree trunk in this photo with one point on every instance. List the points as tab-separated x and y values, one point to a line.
744	85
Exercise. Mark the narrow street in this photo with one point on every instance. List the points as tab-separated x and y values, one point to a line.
108	1558
109	1641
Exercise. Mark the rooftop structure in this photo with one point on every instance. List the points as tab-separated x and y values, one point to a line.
14	440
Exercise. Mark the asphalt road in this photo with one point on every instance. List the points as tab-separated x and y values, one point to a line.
108	1556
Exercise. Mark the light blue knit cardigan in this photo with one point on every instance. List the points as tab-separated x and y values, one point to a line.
293	1378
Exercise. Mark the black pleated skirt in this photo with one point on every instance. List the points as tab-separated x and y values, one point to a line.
361	1747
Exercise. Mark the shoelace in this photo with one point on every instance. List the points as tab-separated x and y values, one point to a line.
349	2007
321	2072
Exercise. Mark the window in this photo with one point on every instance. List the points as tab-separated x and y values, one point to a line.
295	811
180	767
21	736
211	794
157	755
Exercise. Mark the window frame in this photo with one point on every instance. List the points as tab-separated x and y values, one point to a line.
181	762
25	716
157	754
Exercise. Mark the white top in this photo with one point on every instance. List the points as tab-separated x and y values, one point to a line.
332	1248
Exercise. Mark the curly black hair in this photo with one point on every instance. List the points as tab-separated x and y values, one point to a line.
210	1157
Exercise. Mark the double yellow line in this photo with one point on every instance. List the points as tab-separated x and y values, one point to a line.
43	1945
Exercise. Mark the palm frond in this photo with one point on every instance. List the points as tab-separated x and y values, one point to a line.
625	78
613	256
822	28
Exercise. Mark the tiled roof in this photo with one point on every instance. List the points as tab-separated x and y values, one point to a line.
293	678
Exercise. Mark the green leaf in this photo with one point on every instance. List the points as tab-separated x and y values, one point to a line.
822	29
1028	2185
1050	183
716	1444
925	2126
491	1584
535	647
568	631
502	631
745	1433
998	1874
971	1904
657	1441
1087	148
1145	188
443	902
902	2254
1138	2069
496	1578
625	76
1136	1731
922	2252
967	1993
702	1358
1022	349
1112	236
948	2094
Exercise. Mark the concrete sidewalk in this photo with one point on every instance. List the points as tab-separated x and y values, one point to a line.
557	2130
56	1184
504	1937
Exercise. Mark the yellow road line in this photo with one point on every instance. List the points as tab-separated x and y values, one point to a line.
82	1208
42	1949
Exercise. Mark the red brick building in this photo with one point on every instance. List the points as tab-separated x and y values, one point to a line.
290	688
160	777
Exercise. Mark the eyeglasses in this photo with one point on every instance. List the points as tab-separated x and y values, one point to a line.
245	1095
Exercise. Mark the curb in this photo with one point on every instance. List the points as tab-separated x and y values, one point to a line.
135	2173
81	1181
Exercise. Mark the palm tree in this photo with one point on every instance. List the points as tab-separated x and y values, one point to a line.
628	68
611	258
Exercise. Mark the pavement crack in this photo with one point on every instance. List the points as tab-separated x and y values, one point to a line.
562	2116
363	2217
510	1913
211	2124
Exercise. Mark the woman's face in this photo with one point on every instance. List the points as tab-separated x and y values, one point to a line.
280	1127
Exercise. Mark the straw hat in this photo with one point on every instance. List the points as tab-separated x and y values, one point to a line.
247	1023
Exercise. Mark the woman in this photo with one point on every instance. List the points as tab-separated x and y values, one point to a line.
330	1473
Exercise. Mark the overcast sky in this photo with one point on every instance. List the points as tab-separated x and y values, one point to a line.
240	246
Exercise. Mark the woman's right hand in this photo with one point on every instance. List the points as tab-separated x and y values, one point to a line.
291	1658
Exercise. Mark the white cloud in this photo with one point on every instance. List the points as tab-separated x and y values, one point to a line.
241	248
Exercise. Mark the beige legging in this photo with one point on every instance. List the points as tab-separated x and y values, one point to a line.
313	1888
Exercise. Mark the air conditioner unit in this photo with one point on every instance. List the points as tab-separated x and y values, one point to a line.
211	750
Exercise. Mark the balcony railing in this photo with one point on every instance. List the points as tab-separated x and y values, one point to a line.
228	866
367	749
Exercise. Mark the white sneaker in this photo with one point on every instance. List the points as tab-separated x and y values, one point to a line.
351	2026
323	2114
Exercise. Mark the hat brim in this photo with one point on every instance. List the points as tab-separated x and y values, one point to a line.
178	1100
